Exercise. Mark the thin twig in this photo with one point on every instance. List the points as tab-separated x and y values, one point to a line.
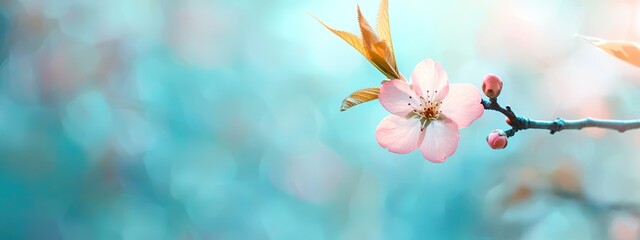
522	123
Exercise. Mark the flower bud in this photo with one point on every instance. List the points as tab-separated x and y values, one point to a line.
491	85
497	139
508	121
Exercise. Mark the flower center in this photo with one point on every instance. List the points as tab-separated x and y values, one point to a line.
426	108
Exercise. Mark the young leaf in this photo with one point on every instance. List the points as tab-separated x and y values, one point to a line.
378	51
376	47
350	38
625	51
384	31
360	96
369	37
378	55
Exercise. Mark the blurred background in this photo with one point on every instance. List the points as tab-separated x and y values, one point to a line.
219	119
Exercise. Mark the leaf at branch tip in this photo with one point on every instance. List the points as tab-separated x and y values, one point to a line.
369	37
360	96
353	40
377	50
385	31
625	51
379	56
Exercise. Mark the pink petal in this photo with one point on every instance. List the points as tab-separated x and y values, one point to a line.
462	104
399	134
440	141
395	96
428	75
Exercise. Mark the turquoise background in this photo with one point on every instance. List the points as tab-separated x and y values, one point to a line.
159	119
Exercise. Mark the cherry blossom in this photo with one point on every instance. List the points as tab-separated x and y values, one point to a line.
427	113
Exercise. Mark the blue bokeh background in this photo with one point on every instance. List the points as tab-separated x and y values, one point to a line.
218	119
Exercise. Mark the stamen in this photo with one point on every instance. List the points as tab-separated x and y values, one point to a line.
428	107
424	123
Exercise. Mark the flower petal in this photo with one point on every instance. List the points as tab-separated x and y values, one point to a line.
399	134
440	141
396	96
462	104
428	75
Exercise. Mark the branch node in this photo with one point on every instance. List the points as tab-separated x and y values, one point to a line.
510	132
510	111
557	126
523	123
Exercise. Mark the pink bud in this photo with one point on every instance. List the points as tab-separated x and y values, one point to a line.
508	121
491	85
497	139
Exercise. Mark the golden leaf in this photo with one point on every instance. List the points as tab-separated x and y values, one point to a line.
625	51
369	37
350	38
378	51
360	96
377	55
385	31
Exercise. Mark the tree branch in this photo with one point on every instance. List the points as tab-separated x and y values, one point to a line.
522	123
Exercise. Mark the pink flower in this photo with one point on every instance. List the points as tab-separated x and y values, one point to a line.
427	113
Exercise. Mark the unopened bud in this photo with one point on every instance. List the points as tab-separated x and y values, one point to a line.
491	86
508	121
497	139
